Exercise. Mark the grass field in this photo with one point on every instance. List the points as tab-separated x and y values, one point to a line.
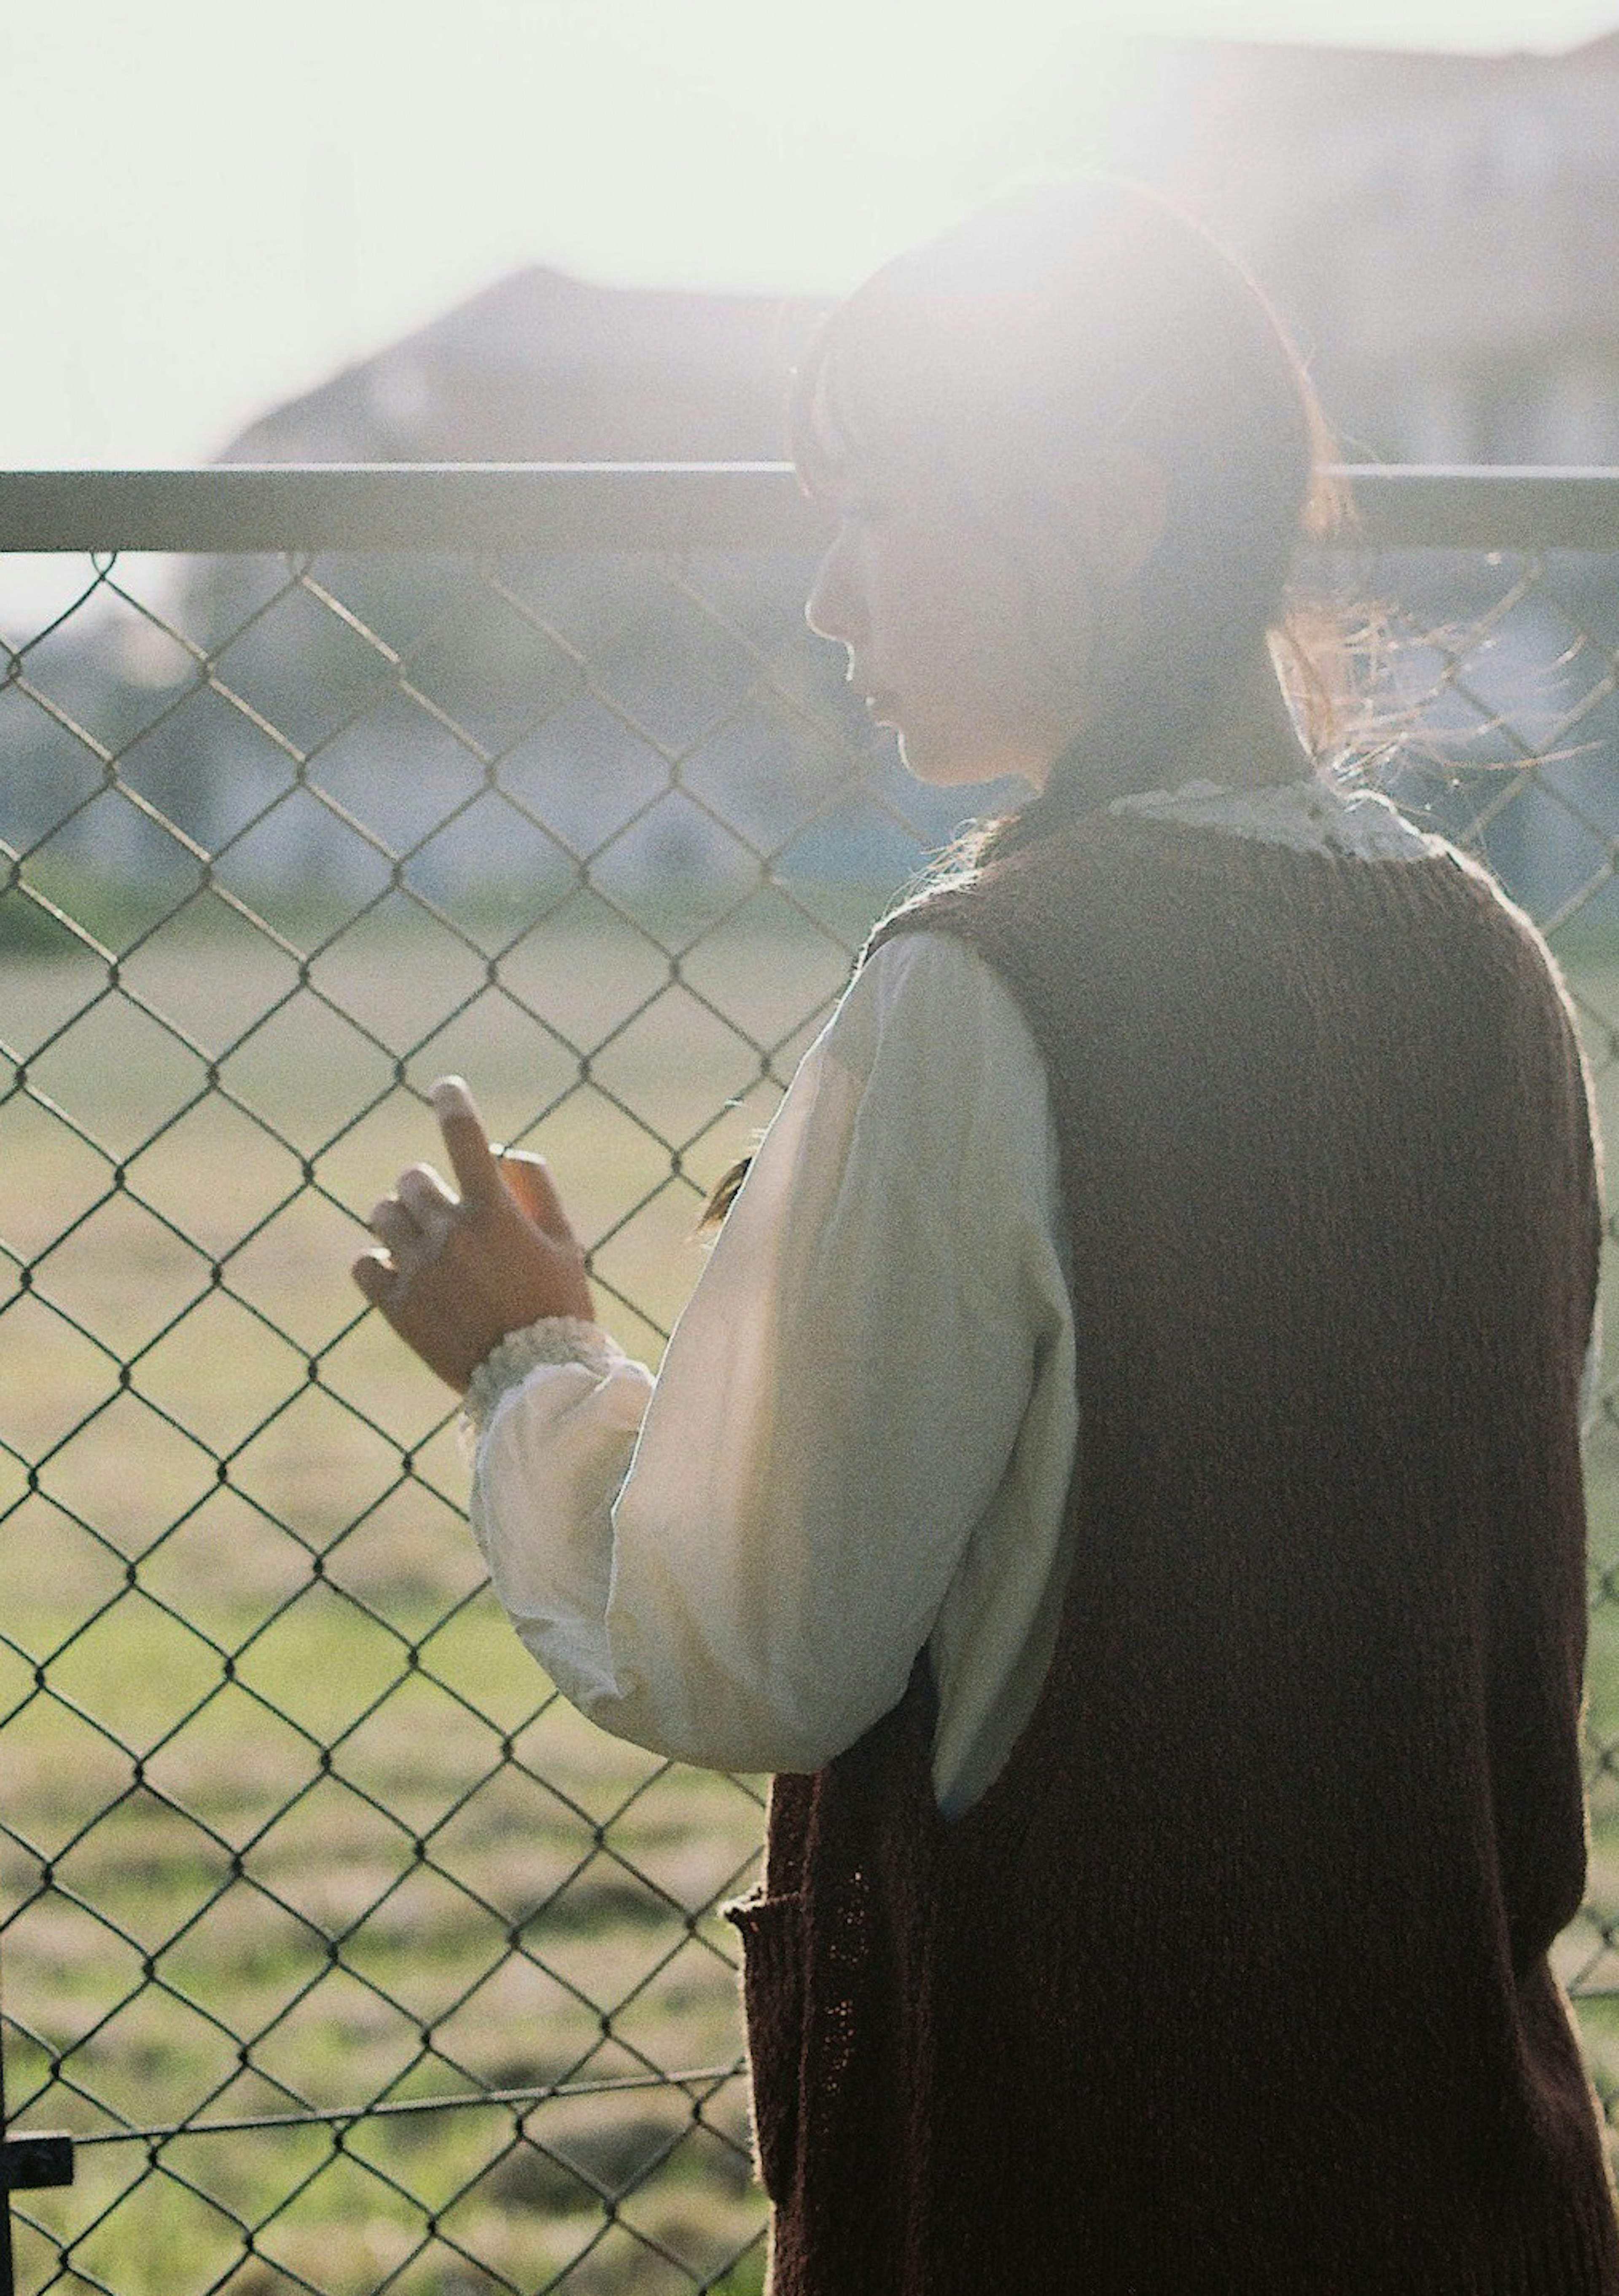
290	1817
364	1851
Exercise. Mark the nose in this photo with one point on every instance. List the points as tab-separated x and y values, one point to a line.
832	609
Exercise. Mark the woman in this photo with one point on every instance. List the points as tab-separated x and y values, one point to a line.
1120	1465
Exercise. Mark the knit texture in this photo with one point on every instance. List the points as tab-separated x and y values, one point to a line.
1236	1978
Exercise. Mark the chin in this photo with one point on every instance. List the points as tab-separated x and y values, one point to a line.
941	764
946	765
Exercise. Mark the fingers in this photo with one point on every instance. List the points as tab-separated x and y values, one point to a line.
483	1173
392	1225
414	1224
453	1273
528	1179
467	1143
429	1203
374	1275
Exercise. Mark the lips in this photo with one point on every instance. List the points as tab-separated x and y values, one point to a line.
881	703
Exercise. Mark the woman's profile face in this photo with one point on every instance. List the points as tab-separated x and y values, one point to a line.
941	620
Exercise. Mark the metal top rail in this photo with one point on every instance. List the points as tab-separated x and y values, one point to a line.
663	506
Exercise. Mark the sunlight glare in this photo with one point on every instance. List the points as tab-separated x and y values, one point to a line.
857	135
296	201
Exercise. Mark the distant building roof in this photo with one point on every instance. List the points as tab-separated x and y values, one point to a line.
542	367
1441	230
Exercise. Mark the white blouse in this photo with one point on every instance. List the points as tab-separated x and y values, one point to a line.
861	1436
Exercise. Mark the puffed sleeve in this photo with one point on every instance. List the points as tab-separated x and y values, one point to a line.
737	1565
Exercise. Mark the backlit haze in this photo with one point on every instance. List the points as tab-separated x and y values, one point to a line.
207	208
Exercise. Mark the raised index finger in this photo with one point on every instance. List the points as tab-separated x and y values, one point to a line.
472	1159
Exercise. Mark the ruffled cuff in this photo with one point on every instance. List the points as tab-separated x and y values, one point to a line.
553	1340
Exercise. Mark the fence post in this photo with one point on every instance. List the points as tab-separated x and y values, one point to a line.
26	2164
8	2279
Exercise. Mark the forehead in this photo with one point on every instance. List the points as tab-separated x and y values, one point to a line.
855	429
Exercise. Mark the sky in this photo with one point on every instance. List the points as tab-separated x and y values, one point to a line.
207	206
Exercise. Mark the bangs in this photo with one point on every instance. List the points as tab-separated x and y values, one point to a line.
864	397
819	439
1007	354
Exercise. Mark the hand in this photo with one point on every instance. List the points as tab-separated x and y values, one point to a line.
456	1274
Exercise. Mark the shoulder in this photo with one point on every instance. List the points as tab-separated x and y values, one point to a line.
919	963
929	1054
925	989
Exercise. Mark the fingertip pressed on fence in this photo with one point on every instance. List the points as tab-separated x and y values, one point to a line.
346	1957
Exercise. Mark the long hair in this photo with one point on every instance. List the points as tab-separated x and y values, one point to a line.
1003	359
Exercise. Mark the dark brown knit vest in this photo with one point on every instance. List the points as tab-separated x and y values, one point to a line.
1234	1980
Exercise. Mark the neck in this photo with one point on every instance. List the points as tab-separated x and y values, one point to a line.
1251	743
1254	742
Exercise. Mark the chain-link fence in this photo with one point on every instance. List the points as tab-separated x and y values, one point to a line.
347	1956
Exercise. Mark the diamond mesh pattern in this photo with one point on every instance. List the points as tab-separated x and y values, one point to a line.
354	1960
